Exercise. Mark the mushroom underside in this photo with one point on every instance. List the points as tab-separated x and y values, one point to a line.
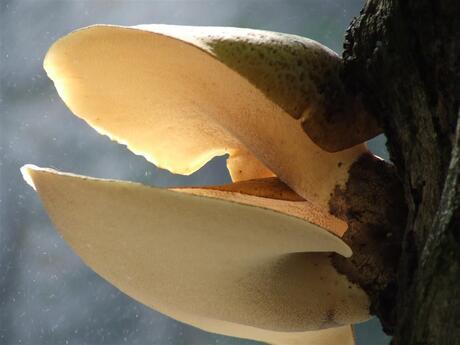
219	265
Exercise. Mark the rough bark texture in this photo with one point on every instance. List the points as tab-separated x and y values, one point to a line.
402	57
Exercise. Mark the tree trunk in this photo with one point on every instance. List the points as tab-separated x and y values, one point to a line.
403	58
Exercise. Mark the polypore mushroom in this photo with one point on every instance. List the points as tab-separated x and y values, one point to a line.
182	95
250	259
221	266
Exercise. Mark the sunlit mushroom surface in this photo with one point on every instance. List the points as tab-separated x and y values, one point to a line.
221	259
182	95
265	202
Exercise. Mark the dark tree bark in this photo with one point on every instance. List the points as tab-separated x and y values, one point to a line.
403	58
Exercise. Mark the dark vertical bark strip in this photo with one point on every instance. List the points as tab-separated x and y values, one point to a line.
437	295
448	206
402	57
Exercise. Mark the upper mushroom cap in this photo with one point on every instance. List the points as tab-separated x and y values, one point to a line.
182	95
298	74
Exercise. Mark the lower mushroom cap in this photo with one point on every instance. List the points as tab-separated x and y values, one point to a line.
217	265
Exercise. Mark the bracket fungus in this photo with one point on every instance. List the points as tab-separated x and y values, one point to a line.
251	259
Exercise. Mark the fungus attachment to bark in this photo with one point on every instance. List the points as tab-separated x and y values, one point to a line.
250	259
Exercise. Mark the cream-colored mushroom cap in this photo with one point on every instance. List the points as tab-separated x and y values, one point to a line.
220	265
182	95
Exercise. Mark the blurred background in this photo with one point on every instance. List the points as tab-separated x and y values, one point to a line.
47	295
